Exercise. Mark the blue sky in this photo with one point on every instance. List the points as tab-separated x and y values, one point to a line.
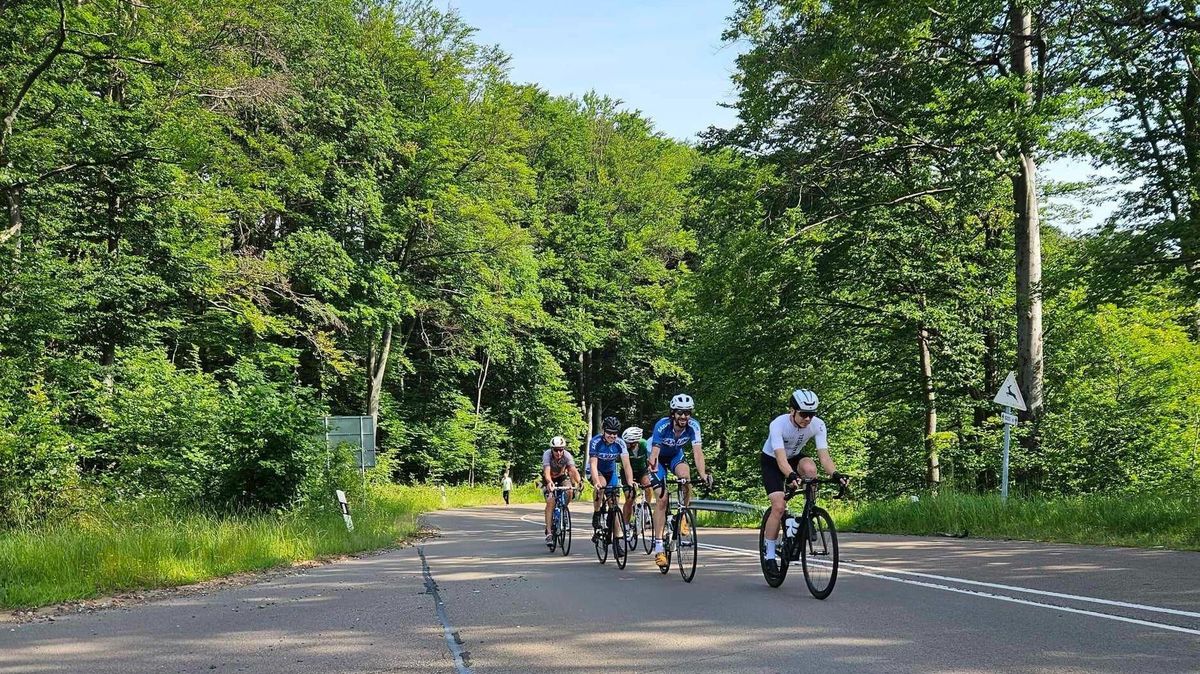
662	57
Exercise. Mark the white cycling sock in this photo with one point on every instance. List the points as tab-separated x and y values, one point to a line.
658	546
770	550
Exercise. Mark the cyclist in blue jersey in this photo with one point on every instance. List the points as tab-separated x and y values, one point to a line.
671	435
604	452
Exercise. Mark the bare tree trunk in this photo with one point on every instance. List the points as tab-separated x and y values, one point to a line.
479	382
377	359
933	469
12	198
1028	234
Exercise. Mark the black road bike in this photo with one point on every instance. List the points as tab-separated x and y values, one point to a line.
808	537
679	533
612	532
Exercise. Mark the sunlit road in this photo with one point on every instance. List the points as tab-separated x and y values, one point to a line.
901	604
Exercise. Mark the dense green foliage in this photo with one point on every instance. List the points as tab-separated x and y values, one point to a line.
223	220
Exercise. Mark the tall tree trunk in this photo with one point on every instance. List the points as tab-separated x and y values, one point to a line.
1189	234
479	382
933	469
583	397
1028	233
12	199
377	358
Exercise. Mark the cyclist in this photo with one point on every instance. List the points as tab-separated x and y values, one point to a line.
783	462
558	469
639	455
604	451
671	434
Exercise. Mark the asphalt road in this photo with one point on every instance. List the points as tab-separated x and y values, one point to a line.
486	597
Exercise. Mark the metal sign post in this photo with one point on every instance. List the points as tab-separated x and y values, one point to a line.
1009	396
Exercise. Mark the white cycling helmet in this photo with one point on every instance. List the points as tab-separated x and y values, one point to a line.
558	441
632	434
682	401
804	400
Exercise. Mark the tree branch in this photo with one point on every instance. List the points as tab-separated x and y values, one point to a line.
11	117
898	200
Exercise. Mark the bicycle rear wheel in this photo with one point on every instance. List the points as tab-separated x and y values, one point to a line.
620	544
819	553
685	545
601	543
564	532
646	524
782	554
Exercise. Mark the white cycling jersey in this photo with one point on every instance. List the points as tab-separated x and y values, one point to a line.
783	433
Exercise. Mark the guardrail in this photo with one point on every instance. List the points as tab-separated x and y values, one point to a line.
726	507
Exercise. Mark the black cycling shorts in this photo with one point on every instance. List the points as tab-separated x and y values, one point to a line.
559	481
772	479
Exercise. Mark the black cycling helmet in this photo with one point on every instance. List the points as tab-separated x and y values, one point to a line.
611	425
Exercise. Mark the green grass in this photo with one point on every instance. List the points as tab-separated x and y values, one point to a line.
1136	521
128	548
1145	521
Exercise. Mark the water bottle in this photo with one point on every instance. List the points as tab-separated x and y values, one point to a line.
792	527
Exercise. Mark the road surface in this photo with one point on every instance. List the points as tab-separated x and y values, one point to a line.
485	596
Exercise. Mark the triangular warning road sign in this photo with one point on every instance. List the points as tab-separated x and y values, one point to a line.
1009	394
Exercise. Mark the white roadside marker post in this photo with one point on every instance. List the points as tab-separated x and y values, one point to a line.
341	497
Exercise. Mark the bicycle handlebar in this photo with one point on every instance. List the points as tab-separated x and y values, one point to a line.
805	482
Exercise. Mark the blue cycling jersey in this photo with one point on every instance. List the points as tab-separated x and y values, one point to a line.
670	443
606	453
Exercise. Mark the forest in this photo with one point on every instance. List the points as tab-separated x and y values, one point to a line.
223	220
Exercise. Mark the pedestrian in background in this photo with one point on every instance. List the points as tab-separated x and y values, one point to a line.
506	486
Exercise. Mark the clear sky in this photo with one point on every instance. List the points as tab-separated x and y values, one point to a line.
662	57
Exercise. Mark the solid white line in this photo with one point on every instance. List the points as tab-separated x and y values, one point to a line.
987	595
1012	588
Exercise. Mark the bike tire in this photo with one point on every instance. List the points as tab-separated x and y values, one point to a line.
616	533
819	557
564	533
601	545
686	547
782	554
646	523
555	528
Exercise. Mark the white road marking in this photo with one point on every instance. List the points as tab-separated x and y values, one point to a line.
991	595
852	568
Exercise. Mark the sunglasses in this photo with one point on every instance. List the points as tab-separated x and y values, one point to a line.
806	415
686	413
558	449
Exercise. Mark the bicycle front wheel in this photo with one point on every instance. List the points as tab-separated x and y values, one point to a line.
782	554
564	532
616	532
601	543
819	553
685	545
646	524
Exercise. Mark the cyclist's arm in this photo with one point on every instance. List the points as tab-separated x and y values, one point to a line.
826	462
573	472
782	460
546	475
698	455
628	468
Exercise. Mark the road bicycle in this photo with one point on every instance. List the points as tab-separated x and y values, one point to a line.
642	525
560	521
679	532
810	538
612	533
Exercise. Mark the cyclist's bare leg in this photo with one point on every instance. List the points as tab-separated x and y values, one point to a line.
777	507
660	513
807	468
549	508
684	471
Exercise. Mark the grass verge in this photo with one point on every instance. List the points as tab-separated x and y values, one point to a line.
129	548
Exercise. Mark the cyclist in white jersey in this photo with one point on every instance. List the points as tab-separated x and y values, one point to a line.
558	470
783	462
